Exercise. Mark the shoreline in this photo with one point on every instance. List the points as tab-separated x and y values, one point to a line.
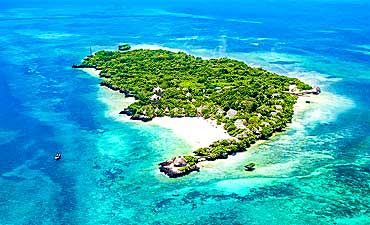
91	71
300	108
195	131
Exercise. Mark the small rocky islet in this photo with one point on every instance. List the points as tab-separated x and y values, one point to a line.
251	103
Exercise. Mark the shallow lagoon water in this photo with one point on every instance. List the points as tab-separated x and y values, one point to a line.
317	172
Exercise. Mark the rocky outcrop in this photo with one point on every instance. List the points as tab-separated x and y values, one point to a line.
82	66
127	112
177	167
315	91
179	162
104	84
126	93
293	90
131	113
141	117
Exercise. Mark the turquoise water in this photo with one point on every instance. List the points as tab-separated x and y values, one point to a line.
315	173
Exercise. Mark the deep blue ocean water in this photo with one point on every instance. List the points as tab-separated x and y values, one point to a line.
318	172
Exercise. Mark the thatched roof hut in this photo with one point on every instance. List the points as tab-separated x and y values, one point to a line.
158	90
179	162
155	98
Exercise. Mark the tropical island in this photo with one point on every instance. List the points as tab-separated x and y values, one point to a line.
250	103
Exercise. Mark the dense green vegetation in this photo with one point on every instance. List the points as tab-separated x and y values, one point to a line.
191	164
252	103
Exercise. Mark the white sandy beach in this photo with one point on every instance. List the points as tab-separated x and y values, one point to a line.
91	71
196	131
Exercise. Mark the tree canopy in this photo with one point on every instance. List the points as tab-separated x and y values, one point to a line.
251	103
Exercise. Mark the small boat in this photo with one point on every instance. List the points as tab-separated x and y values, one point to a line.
250	167
58	156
